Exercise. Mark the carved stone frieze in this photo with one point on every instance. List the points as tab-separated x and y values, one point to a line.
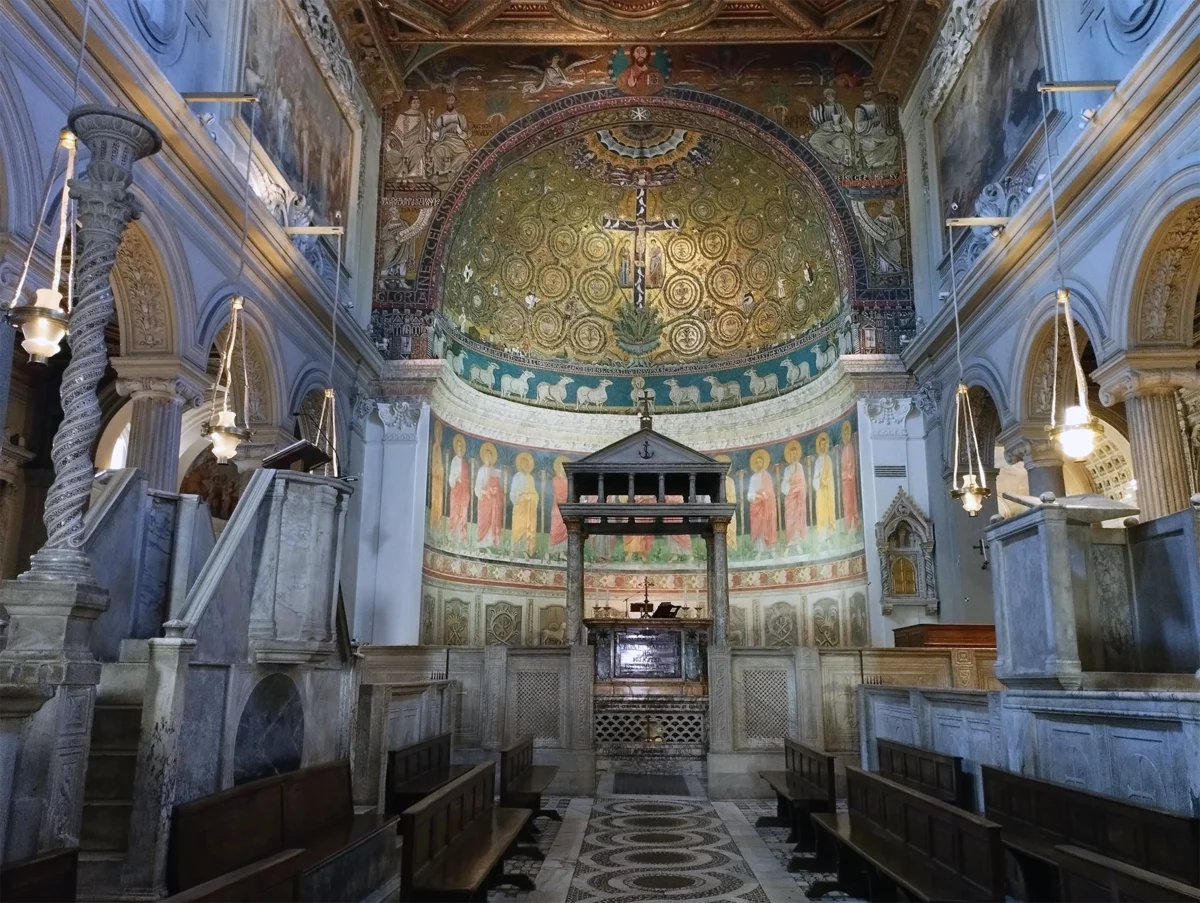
326	44
141	293
928	398
887	416
1162	298
400	417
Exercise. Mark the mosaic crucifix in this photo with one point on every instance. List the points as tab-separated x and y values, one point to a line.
639	226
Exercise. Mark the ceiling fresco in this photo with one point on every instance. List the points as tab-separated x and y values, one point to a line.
643	239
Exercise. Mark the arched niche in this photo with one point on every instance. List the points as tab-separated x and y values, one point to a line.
270	731
904	538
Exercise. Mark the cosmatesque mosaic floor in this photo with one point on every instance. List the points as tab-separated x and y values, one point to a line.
640	849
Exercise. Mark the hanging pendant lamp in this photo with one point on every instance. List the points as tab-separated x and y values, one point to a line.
972	489
327	438
1076	433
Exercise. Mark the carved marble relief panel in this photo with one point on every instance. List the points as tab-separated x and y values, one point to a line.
456	623
780	625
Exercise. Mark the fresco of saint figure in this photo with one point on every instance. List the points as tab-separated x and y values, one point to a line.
602	543
558	527
451	135
795	495
655	277
679	544
731	497
489	518
524	497
635	543
831	140
406	145
823	479
460	489
437	480
876	148
849	480
761	496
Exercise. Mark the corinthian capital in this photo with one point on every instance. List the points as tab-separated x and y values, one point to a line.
1139	373
160	376
400	417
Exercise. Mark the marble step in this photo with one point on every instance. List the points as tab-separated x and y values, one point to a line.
116	727
99	874
110	774
105	825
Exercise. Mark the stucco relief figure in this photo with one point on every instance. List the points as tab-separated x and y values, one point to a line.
558	527
489	492
460	490
641	76
884	233
795	495
849	470
451	137
524	497
437	480
878	148
408	142
761	496
824	492
832	138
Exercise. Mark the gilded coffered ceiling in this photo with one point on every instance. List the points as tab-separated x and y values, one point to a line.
390	38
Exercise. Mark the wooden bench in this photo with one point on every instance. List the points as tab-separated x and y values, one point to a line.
521	782
1038	816
894	839
46	878
274	878
932	773
455	840
1087	877
232	840
416	771
806	785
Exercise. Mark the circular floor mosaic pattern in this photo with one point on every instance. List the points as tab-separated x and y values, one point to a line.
641	851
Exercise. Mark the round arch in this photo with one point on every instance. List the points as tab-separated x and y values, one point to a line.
524	132
1157	276
21	176
264	357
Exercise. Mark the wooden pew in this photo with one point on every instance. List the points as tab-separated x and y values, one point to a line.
894	839
806	785
235	838
932	773
414	772
455	840
521	782
275	878
1038	816
1086	877
46	878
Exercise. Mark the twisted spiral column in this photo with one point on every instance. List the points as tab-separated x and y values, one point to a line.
116	139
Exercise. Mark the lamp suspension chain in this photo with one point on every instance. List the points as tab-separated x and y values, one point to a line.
973	489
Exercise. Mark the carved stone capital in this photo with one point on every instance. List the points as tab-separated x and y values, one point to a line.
168	388
12	459
887	415
1140	373
400	417
928	398
1029	443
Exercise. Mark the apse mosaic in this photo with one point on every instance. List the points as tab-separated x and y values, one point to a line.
797	502
618	236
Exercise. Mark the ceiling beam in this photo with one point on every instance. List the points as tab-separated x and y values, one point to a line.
418	15
502	31
795	16
395	76
850	14
476	13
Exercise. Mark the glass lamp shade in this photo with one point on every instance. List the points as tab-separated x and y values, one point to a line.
43	325
1077	435
225	435
971	494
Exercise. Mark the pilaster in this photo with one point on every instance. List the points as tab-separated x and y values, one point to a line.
575	633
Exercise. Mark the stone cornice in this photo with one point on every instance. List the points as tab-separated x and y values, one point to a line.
878	374
819	402
1157	372
412	379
